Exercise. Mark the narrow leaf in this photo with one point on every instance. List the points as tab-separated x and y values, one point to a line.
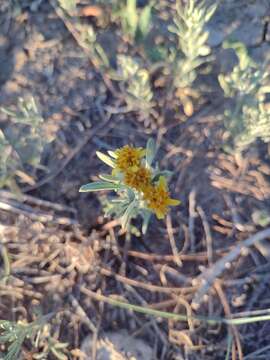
109	178
145	20
146	220
150	151
106	159
100	185
166	173
125	219
112	154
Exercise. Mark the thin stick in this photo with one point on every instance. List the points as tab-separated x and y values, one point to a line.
152	321
207	278
5	257
82	314
177	259
208	235
191	219
227	312
202	256
167	315
41	217
142	285
36	201
254	355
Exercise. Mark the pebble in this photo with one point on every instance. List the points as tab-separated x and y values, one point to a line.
119	346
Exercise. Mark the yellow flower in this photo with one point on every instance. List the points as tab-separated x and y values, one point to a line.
128	158
158	198
139	179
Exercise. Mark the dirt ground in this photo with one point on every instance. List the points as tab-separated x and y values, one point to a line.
62	249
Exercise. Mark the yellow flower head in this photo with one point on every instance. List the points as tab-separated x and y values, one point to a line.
128	158
139	179
158	198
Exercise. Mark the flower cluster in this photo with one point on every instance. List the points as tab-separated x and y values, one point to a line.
130	163
140	186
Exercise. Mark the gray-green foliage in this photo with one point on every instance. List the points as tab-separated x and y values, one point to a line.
136	83
68	5
96	52
13	335
247	85
135	23
129	203
193	51
22	141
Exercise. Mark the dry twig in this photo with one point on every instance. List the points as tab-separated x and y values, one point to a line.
207	278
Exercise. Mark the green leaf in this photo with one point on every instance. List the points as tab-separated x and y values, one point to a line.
100	51
204	50
131	17
59	355
150	151
112	154
166	173
210	12
145	21
109	178
146	219
173	29
100	185
126	218
106	159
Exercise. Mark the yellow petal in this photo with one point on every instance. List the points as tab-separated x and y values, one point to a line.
173	202
160	215
162	182
134	168
142	152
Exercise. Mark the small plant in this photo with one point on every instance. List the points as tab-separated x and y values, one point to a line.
142	188
95	50
136	83
246	85
192	51
21	142
14	334
47	345
135	23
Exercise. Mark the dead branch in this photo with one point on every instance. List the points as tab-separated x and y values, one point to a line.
207	278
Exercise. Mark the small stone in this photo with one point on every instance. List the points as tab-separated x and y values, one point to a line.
11	86
119	346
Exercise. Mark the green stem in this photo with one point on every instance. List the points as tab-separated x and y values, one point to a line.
177	317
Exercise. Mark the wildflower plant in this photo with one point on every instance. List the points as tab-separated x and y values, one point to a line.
192	51
94	49
247	85
136	84
141	187
22	141
135	23
14	334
